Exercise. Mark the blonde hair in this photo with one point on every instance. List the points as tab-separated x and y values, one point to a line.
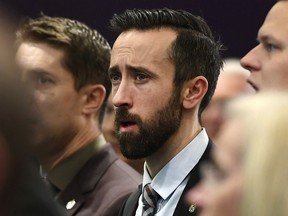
264	118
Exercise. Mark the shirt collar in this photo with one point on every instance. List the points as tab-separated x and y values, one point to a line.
183	162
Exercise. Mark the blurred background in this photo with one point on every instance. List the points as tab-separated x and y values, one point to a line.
234	22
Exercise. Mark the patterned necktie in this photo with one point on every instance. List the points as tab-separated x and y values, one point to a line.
149	200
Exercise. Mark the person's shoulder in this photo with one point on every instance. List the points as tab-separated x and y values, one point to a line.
114	187
113	174
120	169
103	184
128	171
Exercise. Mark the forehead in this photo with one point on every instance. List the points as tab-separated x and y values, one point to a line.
144	46
276	21
38	54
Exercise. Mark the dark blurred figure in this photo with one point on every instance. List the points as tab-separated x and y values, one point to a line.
21	190
22	193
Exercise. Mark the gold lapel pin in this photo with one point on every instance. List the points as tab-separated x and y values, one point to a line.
70	204
192	208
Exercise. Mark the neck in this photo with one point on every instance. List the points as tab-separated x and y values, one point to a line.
84	137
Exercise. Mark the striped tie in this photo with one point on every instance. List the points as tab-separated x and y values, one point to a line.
149	200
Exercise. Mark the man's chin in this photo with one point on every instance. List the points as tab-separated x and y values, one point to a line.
133	153
133	156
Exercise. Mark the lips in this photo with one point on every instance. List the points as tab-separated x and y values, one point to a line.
127	126
127	123
254	86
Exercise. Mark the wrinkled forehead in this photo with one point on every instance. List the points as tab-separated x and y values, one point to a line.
141	43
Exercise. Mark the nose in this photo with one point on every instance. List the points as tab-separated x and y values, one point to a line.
250	60
122	95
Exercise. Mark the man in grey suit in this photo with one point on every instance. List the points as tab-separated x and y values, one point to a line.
65	64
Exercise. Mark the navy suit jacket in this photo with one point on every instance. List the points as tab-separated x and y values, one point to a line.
182	209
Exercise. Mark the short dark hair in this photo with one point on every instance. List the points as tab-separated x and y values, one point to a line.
86	51
194	52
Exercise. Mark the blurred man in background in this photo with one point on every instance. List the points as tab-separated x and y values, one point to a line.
65	63
232	83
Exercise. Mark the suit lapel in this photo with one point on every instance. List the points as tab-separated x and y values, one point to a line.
72	198
182	208
71	205
130	206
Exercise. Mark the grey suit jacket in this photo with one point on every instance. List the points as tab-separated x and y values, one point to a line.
101	186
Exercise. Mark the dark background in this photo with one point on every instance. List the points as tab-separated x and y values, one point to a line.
234	22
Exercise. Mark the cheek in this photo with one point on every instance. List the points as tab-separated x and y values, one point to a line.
152	105
279	66
43	101
59	102
50	113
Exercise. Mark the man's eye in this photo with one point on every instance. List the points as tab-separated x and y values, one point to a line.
141	77
270	47
114	77
44	80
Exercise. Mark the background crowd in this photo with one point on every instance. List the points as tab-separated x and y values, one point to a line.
158	117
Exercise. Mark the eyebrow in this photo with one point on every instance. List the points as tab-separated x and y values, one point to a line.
133	70
113	69
265	37
262	38
39	71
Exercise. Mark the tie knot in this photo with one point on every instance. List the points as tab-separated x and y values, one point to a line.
149	200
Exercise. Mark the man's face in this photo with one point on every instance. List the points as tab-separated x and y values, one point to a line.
53	96
230	85
148	112
267	62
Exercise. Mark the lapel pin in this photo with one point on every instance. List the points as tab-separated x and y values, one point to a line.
70	204
192	208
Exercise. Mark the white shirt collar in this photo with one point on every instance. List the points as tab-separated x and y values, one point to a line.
176	170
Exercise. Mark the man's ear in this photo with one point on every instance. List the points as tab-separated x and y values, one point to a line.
193	92
94	96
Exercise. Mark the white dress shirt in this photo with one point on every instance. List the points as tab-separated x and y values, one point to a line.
171	180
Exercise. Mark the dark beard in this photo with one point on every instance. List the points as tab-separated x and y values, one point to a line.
152	134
